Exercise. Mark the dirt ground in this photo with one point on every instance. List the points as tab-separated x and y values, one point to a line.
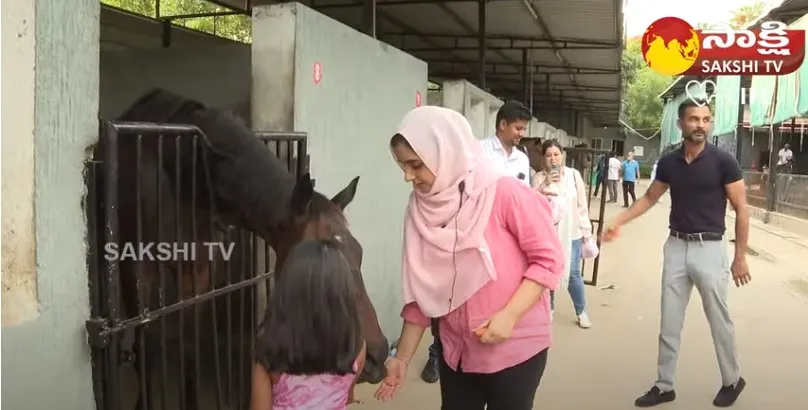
608	366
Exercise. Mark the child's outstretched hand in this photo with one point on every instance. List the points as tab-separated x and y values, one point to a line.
396	373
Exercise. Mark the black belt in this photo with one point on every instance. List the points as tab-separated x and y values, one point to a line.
697	237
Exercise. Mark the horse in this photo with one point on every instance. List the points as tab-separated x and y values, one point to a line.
243	185
531	146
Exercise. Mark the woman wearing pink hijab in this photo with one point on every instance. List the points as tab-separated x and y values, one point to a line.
480	254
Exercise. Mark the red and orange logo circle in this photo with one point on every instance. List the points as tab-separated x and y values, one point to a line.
670	46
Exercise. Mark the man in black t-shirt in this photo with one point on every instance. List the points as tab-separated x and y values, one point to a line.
701	178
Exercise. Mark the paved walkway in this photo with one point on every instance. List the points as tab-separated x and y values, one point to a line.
607	366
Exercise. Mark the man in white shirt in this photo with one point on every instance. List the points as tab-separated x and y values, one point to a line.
785	156
512	119
614	176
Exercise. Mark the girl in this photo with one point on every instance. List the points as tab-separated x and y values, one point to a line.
565	186
479	255
309	350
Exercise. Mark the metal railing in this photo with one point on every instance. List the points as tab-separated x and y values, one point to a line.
790	193
170	333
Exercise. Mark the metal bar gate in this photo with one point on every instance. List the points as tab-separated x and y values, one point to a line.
171	323
586	160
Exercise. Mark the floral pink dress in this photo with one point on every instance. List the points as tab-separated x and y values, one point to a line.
314	392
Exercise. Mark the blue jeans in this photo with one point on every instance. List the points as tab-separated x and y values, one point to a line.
576	281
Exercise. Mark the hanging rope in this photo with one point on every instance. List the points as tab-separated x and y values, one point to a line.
638	134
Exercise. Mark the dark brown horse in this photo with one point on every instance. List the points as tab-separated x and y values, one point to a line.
188	189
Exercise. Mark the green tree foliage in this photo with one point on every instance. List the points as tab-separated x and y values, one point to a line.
643	86
234	27
633	61
743	15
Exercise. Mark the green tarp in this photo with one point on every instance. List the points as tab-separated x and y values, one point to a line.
727	101
777	99
787	96
762	99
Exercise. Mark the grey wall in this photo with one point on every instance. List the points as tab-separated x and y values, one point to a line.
216	75
650	148
366	89
19	290
45	358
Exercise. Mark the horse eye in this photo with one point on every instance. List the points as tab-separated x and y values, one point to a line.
338	238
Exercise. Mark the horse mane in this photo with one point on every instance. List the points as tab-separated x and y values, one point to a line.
248	182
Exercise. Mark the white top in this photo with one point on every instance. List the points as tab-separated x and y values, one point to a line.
614	169
785	156
515	164
572	187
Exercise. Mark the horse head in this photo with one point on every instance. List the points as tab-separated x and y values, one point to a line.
313	216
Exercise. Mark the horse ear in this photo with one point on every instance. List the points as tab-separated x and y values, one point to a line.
344	197
302	195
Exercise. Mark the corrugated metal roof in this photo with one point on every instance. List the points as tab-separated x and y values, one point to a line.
431	29
581	18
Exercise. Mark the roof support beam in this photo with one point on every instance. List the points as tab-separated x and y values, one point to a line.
369	17
512	47
503	38
539	67
351	4
481	32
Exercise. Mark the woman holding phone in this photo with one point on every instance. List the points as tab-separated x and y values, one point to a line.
565	189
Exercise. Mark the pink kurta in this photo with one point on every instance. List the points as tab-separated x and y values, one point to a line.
523	244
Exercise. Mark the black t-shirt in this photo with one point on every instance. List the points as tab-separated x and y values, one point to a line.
698	193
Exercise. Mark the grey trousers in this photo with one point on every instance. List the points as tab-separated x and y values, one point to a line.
611	184
705	265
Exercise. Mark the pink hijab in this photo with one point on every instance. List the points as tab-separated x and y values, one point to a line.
444	141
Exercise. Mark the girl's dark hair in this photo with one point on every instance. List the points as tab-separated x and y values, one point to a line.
399	139
311	325
551	143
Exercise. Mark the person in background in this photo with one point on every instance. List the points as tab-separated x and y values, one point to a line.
565	184
631	173
784	158
701	178
479	257
511	121
309	349
600	175
613	176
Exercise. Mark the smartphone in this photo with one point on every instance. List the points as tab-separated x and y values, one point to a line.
555	168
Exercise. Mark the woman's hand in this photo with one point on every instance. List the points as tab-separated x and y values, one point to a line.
396	373
497	329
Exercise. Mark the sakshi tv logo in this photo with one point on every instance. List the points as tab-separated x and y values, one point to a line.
671	46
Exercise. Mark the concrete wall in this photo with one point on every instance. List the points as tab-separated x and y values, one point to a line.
19	297
606	135
45	356
366	88
648	148
478	106
588	130
216	75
